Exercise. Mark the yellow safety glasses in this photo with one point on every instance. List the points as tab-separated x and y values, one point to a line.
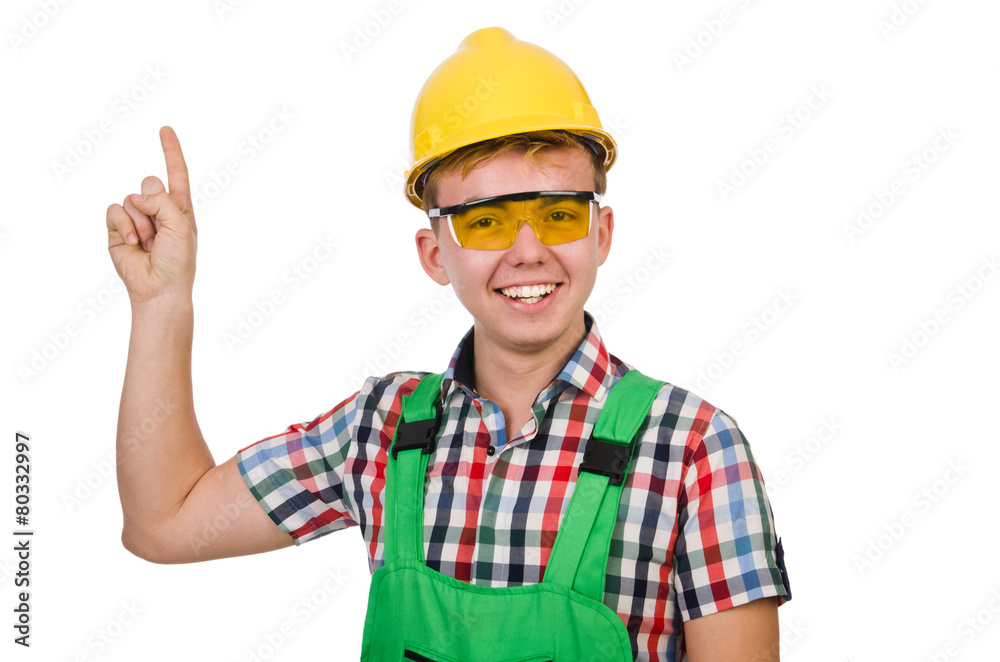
492	224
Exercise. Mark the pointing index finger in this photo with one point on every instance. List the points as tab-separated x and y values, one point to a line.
177	173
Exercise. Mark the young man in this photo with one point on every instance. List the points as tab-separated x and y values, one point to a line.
669	548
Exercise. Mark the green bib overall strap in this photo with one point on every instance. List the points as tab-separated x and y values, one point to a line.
580	553
416	613
417	428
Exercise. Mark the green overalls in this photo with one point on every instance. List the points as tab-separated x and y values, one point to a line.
416	613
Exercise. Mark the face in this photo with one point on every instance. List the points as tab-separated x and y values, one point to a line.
484	280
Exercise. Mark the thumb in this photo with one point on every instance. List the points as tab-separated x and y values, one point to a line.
159	207
152	185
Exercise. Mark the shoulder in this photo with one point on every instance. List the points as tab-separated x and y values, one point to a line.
385	392
379	404
679	416
376	404
674	405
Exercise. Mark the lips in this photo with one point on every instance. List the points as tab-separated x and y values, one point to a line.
528	293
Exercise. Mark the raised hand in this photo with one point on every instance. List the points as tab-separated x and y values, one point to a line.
152	236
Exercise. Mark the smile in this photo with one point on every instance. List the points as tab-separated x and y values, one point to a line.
529	293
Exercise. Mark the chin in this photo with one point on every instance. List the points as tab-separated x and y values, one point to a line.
534	336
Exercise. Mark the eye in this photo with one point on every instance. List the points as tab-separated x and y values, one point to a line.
559	216
482	223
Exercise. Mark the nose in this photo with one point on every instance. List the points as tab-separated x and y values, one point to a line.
527	247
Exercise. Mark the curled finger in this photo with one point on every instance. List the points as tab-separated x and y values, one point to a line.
120	223
144	227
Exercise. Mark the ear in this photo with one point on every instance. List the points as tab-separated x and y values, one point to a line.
429	253
605	229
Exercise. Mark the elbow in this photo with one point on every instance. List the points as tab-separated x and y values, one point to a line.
143	547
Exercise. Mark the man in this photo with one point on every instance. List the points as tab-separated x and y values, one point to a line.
689	563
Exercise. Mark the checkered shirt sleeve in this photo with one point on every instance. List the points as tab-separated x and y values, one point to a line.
726	552
297	476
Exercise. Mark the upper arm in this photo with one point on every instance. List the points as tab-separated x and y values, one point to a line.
748	633
727	552
219	518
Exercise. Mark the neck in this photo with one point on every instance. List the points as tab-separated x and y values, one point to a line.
514	375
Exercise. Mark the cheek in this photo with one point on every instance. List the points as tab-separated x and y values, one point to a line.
469	272
587	279
582	267
461	287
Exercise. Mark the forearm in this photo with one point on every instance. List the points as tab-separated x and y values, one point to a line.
160	449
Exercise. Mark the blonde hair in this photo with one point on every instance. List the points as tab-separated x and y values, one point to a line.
469	157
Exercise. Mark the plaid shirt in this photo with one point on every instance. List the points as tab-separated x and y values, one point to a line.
695	533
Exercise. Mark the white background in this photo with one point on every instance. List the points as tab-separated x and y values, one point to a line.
888	521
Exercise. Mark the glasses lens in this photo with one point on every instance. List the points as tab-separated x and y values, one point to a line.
485	227
556	219
559	219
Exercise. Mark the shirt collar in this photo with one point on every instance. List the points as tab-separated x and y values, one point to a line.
588	369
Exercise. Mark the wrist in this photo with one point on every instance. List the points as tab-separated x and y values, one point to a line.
163	305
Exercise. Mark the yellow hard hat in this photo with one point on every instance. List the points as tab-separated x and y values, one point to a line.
496	85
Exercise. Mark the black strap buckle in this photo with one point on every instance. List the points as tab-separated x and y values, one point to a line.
418	434
606	458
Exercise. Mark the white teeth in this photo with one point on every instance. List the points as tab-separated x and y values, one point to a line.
529	293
